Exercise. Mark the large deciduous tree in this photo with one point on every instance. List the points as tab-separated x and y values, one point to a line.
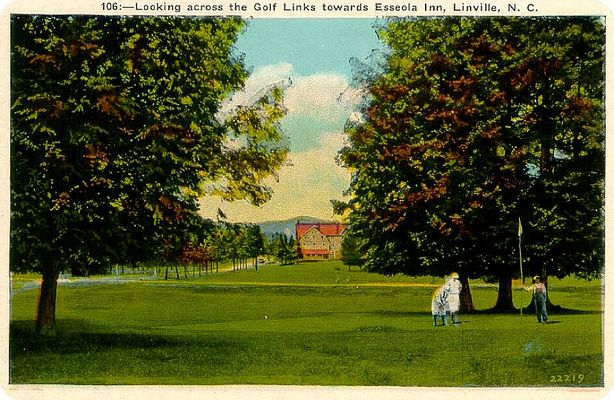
350	250
470	124
116	130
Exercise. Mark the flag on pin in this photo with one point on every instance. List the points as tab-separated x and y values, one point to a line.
519	228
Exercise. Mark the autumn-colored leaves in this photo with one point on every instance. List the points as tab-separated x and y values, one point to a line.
471	123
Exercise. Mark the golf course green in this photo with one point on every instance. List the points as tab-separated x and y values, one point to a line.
306	324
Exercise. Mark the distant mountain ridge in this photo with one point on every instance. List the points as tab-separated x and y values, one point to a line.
270	228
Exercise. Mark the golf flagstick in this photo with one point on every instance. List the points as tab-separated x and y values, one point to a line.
520	256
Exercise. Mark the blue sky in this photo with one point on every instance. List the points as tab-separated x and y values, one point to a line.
311	45
314	55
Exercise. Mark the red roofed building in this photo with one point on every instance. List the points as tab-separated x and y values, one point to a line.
319	241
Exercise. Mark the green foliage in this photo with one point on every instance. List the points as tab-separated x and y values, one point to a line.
284	248
116	131
465	132
350	250
238	241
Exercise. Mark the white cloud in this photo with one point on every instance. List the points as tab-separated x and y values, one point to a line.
305	187
325	96
256	85
314	124
317	95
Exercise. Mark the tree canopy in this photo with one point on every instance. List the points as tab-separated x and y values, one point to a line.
469	125
117	128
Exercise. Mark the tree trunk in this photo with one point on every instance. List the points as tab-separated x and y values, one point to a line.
465	296
545	282
504	296
45	314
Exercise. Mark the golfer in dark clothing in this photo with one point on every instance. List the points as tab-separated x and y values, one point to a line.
539	298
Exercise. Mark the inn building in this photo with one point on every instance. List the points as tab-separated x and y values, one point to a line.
319	241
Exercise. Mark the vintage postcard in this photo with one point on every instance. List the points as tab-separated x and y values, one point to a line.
287	199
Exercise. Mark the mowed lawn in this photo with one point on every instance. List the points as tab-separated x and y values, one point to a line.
308	324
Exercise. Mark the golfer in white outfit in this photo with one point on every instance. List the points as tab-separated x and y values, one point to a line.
438	306
453	288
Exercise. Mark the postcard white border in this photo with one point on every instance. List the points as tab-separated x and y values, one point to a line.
258	392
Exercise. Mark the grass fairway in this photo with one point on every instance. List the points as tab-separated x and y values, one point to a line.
311	324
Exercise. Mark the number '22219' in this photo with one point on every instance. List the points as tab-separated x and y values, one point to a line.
564	378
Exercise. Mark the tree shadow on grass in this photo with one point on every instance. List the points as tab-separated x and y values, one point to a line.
555	310
552	309
68	340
